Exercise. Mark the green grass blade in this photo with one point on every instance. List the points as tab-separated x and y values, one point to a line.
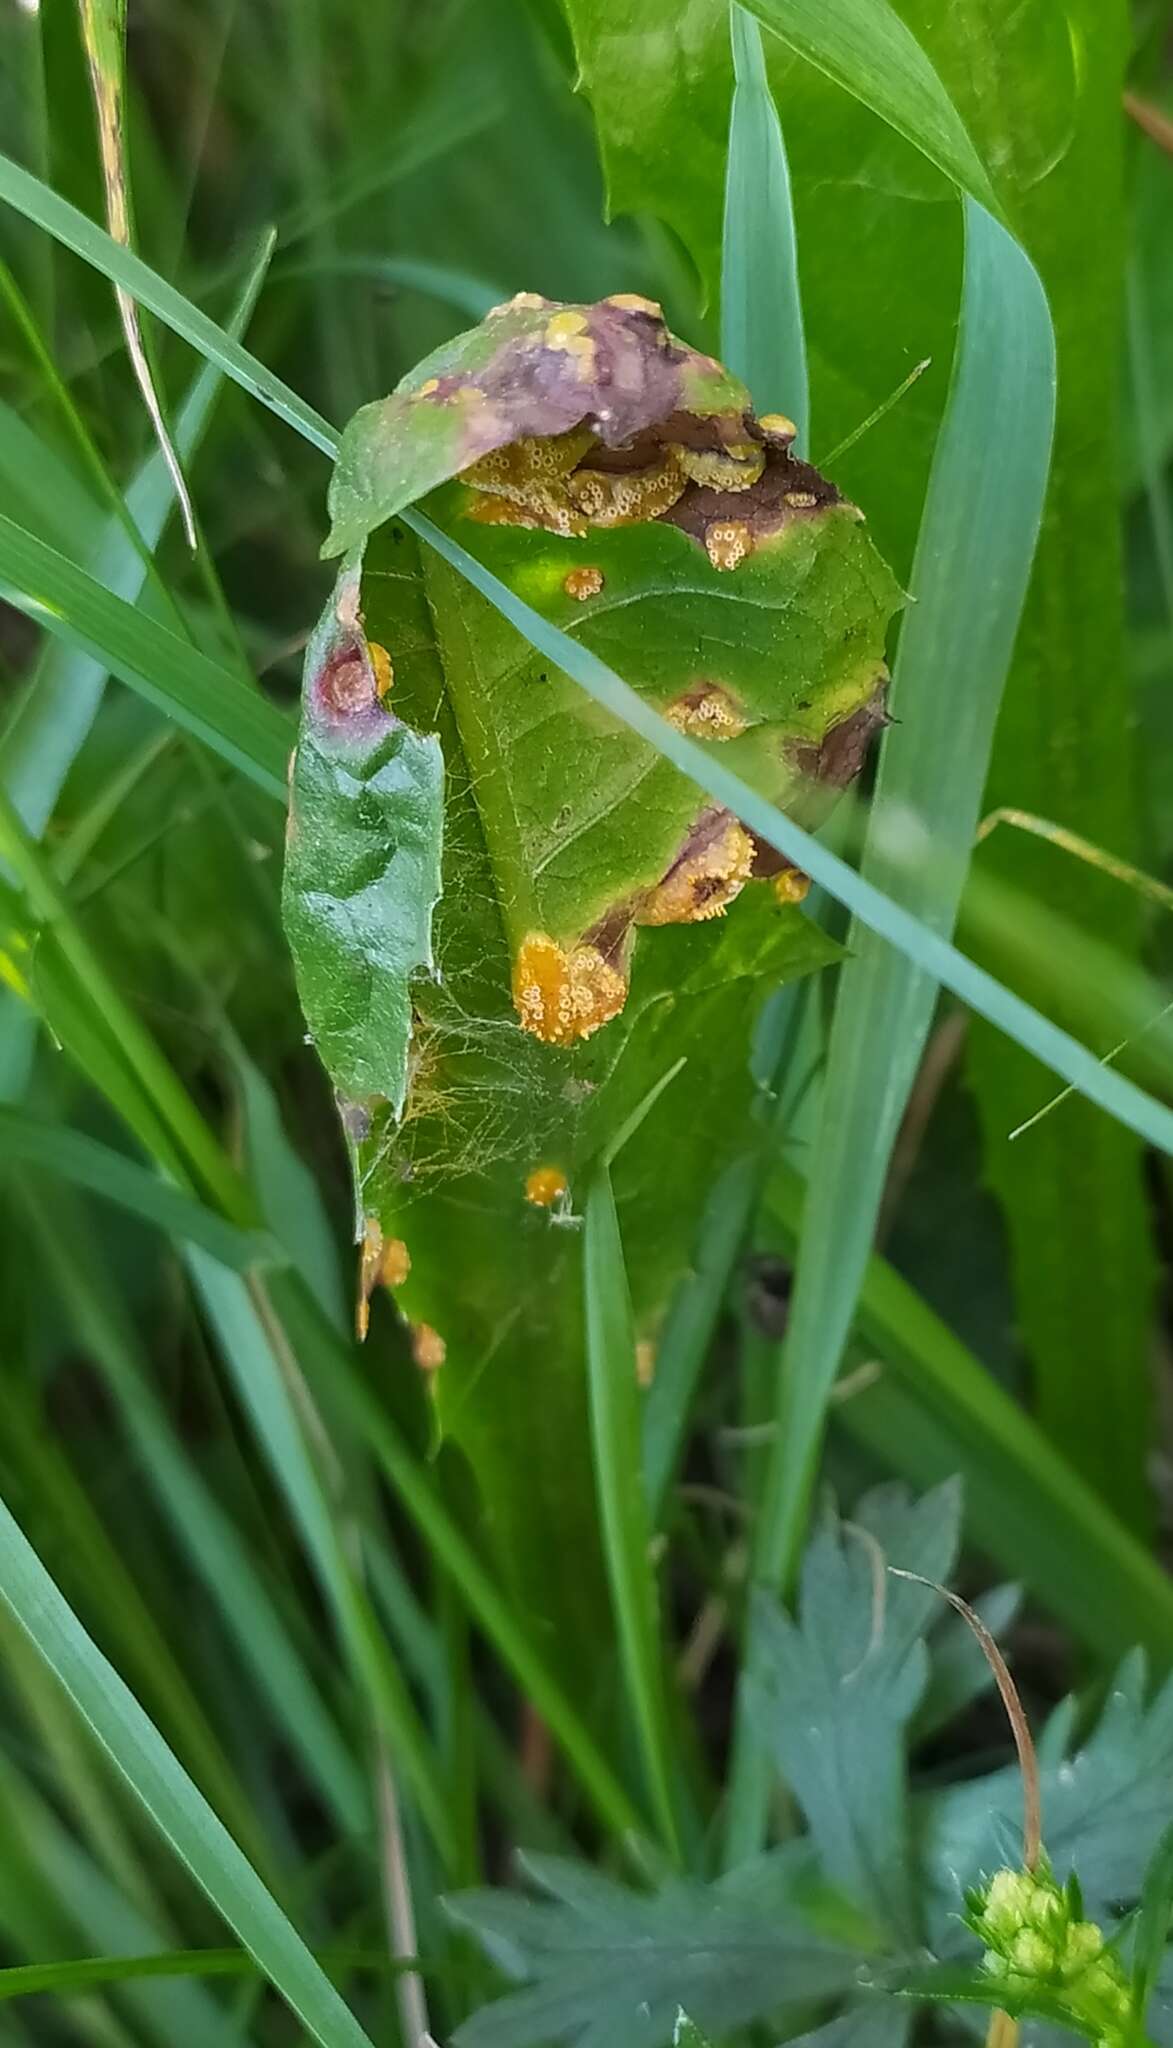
866	48
614	1410
689	1327
211	1539
90	1973
762	338
177	1809
969	580
104	34
248	1340
206	699
59	706
29	1140
328	1360
456	288
41	488
935	1410
58	218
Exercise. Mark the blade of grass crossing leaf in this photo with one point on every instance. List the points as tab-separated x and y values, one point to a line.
614	1410
867	49
761	305
58	218
1055	1048
177	1809
969	579
875	910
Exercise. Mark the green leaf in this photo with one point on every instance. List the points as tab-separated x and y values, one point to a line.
606	1963
867	49
1072	1189
614	1408
833	1693
969	586
554	856
362	864
761	305
208	700
88	1973
936	1410
1151	1931
168	1794
1099	1815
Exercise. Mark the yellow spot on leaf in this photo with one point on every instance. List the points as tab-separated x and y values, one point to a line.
545	1186
563	996
707	713
802	501
791	886
645	1362
384	671
776	427
583	583
727	542
427	1347
382	1262
622	497
704	882
631	302
426	389
735	468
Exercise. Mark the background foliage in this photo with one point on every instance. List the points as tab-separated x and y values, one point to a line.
236	1549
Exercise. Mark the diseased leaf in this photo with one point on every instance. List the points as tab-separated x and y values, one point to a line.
834	1691
743	597
532	370
362	864
604	1963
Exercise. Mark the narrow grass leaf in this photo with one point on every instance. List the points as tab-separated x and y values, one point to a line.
762	338
209	1536
935	1410
867	49
90	1973
104	30
187	686
325	1357
1150	1939
614	1410
177	1809
249	1342
28	1140
60	703
969	579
